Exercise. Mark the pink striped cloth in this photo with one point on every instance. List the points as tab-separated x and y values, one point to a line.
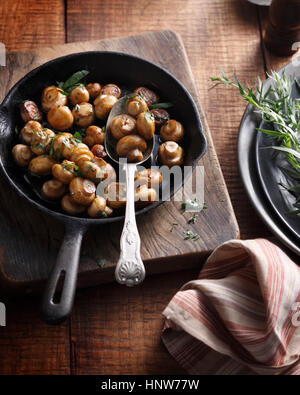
242	315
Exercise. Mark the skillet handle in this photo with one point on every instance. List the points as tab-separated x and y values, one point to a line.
65	268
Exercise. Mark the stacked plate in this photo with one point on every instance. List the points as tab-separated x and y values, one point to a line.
262	176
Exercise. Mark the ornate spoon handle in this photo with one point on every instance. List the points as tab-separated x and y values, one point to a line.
130	269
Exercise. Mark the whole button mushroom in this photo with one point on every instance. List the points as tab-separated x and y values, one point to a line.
99	209
170	154
91	170
109	173
30	112
103	104
53	189
40	142
99	151
146	125
111	89
172	131
122	125
136	105
93	135
82	191
131	147
83	114
70	207
79	95
41	165
60	117
161	116
81	153
63	145
29	129
64	172
52	96
94	89
148	95
22	154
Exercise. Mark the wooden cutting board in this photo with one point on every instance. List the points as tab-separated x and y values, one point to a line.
29	240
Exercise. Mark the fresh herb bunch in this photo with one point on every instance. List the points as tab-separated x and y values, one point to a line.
72	82
277	108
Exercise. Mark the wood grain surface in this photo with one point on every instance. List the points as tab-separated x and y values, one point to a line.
112	329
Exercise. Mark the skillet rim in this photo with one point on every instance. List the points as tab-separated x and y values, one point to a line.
91	221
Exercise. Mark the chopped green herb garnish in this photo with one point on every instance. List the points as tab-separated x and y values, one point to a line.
64	93
193	219
128	97
101	263
16	130
78	136
57	154
191	204
51	146
77	171
101	214
190	235
39	146
173	226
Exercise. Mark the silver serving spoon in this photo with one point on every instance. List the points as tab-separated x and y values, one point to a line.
130	269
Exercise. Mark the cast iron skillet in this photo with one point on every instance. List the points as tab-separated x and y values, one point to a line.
104	67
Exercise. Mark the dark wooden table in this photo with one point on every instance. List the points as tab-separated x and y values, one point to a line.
108	334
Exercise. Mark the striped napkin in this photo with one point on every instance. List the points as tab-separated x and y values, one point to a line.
242	315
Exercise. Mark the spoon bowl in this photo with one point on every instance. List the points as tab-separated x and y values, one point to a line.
130	269
110	142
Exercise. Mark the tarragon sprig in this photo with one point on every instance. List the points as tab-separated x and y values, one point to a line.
278	109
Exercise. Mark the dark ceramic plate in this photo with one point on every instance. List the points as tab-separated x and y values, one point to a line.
247	158
122	69
271	177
